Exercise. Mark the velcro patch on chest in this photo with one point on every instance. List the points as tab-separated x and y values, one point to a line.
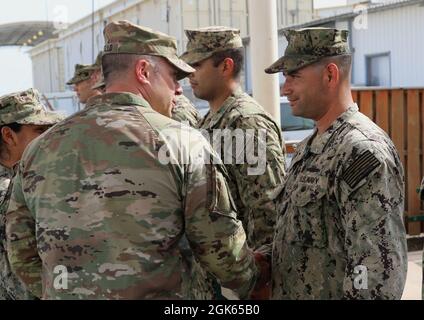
360	169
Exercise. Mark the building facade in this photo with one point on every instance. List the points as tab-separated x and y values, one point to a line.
54	60
386	43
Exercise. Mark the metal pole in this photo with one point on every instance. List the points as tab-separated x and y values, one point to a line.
92	31
219	12
214	12
49	49
264	51
198	13
286	11
182	46
210	12
168	13
297	11
247	18
231	14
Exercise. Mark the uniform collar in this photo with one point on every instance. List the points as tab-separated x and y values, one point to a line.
316	143
4	171
118	98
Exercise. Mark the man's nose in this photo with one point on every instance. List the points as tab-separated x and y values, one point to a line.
285	89
178	89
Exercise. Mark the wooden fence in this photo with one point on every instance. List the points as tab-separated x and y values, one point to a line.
400	112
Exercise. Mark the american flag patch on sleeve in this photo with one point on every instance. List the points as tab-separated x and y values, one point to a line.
360	169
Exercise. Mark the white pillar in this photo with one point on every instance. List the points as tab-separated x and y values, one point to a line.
264	52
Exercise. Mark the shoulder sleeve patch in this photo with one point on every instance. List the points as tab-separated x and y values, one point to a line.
360	169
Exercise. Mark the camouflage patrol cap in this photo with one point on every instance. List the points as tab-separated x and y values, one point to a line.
204	42
82	72
307	46
126	37
25	107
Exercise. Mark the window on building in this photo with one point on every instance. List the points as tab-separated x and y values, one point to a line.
378	70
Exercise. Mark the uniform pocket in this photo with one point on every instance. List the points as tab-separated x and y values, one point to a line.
307	226
220	201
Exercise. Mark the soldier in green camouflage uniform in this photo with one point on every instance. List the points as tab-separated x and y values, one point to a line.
196	285
340	232
254	194
22	118
208	50
86	79
98	198
185	111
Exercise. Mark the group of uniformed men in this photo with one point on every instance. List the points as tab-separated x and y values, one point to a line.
91	211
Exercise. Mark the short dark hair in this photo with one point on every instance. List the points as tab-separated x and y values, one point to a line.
115	64
16	127
237	55
343	62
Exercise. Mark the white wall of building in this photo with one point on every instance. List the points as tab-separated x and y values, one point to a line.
47	66
291	12
398	32
75	44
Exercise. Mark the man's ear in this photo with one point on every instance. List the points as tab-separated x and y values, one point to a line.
9	136
142	73
95	77
228	67
332	75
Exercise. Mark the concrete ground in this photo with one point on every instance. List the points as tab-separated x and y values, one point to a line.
414	280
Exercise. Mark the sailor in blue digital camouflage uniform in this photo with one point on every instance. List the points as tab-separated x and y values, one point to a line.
340	232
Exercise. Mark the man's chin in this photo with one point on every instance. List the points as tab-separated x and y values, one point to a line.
200	96
296	112
196	92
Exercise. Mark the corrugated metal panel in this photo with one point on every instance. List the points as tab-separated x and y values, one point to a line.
399	32
46	72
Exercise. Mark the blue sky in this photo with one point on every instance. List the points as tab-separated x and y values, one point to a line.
15	64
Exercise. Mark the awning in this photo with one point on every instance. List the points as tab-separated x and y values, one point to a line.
28	33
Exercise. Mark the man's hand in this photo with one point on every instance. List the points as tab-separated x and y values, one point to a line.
262	289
